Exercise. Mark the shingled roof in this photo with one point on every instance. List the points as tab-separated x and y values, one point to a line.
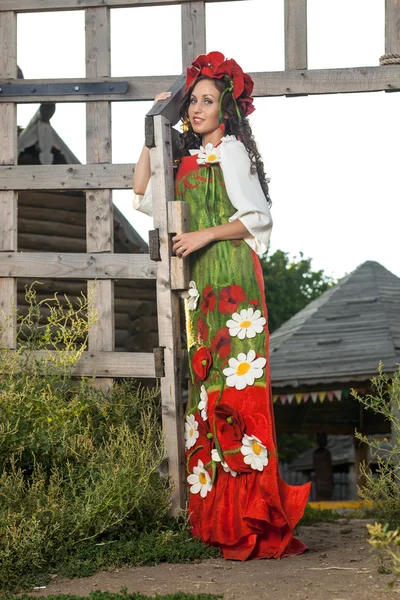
342	335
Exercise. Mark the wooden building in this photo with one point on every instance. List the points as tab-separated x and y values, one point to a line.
334	344
55	221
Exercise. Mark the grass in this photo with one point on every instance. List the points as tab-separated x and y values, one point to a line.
171	542
319	515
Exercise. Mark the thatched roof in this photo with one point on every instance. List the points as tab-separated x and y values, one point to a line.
342	335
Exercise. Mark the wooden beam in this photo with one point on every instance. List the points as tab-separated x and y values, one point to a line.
295	34
193	31
99	204
8	199
48	5
77	266
179	222
168	313
111	364
392	27
66	177
273	83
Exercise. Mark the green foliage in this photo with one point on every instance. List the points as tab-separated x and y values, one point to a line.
318	515
387	545
291	445
75	464
290	285
383	487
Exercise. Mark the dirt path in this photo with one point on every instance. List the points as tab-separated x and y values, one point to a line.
339	566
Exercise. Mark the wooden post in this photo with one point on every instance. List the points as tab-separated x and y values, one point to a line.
295	34
8	156
168	312
392	27
361	456
193	31
99	205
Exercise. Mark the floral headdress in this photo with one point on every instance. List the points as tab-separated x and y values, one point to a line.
216	66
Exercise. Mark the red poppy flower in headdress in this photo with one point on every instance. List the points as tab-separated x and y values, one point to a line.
215	65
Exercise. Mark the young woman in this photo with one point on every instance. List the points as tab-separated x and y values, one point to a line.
237	498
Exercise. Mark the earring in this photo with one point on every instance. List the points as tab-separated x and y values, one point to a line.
185	124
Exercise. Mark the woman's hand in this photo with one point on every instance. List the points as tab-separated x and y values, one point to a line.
162	96
186	243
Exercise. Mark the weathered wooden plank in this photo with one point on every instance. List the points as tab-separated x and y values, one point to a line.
193	31
101	333
179	222
8	220
99	205
8	156
112	364
58	177
392	27
99	221
8	318
274	83
77	266
45	5
295	34
168	312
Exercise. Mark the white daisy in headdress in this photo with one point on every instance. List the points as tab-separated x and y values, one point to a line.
208	154
254	452
243	370
247	323
191	431
200	480
216	458
192	295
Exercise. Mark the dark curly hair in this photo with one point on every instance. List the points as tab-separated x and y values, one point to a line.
233	126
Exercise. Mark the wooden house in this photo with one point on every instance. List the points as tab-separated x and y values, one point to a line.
332	346
55	221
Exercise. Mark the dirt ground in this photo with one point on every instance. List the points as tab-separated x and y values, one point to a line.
338	566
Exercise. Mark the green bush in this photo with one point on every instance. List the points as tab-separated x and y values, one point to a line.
75	464
382	488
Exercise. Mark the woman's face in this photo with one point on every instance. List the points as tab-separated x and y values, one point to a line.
203	108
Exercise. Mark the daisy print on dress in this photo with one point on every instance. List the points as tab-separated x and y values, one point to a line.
243	370
216	458
208	154
191	431
192	295
200	480
254	452
247	323
203	404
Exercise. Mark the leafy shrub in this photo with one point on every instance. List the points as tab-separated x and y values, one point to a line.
382	488
75	464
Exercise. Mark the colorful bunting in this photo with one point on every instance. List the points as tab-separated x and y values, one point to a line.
302	397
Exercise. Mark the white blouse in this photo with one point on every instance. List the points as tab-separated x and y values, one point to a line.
242	186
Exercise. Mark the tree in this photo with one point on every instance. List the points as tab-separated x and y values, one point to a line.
290	284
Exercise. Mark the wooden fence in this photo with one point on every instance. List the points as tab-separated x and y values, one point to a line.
99	265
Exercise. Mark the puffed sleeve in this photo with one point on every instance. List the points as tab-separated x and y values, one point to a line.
246	194
144	203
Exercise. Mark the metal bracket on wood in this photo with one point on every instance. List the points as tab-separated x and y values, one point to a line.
154	245
62	89
159	361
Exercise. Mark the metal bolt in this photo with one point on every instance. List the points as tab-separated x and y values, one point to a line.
77	88
111	87
33	89
1	90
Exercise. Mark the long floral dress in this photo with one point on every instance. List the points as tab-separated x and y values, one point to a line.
237	499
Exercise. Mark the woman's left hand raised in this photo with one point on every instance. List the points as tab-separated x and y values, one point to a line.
186	243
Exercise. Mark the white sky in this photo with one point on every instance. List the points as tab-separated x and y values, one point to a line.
333	160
